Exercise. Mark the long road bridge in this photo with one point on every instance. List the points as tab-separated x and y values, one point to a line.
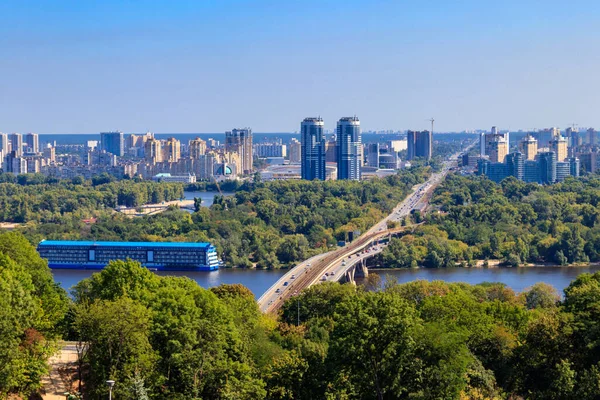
346	262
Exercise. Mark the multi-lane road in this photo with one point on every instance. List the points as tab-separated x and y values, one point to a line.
332	265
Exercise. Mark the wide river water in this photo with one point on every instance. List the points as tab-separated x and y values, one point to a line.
258	281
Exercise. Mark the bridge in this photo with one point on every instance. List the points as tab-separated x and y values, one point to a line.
348	262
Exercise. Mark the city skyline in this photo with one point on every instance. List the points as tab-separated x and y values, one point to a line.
79	67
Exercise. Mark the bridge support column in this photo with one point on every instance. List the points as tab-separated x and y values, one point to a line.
348	276
361	270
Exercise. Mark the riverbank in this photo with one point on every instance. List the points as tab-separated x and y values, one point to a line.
498	266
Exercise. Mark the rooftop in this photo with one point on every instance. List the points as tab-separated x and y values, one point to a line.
123	244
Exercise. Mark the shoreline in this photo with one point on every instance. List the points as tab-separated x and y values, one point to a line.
526	266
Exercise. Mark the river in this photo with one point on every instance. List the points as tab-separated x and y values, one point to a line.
258	281
518	279
207	197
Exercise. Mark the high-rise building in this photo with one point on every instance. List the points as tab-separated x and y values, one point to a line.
482	144
547	162
32	142
574	139
295	151
575	166
172	150
50	153
419	145
592	136
588	161
16	144
373	155
349	143
153	150
4	143
197	148
559	146
529	147
498	149
313	149
424	145
331	154
516	165
112	142
240	141
531	171
411	139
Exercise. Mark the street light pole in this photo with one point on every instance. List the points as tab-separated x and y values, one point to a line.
110	384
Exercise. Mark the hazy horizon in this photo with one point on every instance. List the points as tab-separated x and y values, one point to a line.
188	66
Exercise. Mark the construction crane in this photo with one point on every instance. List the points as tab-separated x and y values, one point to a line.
432	121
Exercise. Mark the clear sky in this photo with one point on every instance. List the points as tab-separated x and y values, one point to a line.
86	66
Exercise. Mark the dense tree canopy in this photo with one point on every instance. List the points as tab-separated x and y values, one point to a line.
514	222
166	337
267	225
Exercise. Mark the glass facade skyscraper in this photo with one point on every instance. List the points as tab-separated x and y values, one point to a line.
113	142
313	149
349	145
419	144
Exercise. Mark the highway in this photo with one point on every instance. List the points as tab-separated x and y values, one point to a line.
332	265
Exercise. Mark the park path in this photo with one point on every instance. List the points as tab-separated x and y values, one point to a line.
62	376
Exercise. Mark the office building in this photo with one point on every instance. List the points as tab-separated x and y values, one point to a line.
531	171
32	143
419	145
169	256
373	155
172	150
16	144
313	149
295	151
112	142
574	166
563	169
547	164
529	147
559	146
197	148
515	163
240	141
349	144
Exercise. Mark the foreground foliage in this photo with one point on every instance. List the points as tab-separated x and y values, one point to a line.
166	337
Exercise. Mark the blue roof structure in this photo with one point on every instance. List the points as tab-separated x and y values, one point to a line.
124	244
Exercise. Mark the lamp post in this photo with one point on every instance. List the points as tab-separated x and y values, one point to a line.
110	384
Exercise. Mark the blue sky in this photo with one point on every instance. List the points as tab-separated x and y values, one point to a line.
209	66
